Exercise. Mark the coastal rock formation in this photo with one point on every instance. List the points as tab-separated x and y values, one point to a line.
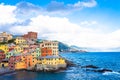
70	63
96	69
103	70
89	66
49	68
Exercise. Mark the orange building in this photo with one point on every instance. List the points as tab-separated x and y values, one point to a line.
28	60
46	52
24	61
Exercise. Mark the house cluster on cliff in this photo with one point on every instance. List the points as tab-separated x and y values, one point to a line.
25	53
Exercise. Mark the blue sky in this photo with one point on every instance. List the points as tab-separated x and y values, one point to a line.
85	23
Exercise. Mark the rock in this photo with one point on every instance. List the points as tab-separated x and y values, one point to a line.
89	66
48	68
70	63
103	70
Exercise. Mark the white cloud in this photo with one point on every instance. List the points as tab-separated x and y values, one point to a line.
88	23
6	14
90	3
60	28
55	6
26	10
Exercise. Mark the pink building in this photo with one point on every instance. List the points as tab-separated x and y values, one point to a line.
2	55
12	60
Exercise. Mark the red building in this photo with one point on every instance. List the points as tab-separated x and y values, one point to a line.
31	35
2	55
11	48
13	60
46	52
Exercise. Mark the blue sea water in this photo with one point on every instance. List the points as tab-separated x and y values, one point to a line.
103	60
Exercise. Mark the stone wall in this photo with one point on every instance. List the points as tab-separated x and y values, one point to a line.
40	67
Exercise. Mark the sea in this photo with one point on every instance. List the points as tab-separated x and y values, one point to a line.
102	60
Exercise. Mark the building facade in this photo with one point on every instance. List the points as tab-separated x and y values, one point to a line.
10	53
4	37
20	40
53	45
46	52
30	35
2	55
13	60
4	47
51	62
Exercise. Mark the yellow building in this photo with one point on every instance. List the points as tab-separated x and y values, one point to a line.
4	47
33	54
4	63
4	37
20	40
52	62
24	45
18	49
34	61
20	65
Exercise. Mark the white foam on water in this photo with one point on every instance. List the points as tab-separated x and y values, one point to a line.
69	71
111	73
10	74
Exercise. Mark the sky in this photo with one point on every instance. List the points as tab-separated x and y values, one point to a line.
90	24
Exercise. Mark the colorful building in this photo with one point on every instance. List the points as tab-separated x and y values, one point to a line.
25	53
4	37
18	48
30	35
35	49
46	52
53	45
4	47
51	62
29	60
2	55
22	61
38	52
10	53
13	60
34	57
20	40
20	65
4	63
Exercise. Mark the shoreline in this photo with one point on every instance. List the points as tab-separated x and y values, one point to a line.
7	72
69	64
10	72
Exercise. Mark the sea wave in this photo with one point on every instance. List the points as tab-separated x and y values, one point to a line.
111	73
